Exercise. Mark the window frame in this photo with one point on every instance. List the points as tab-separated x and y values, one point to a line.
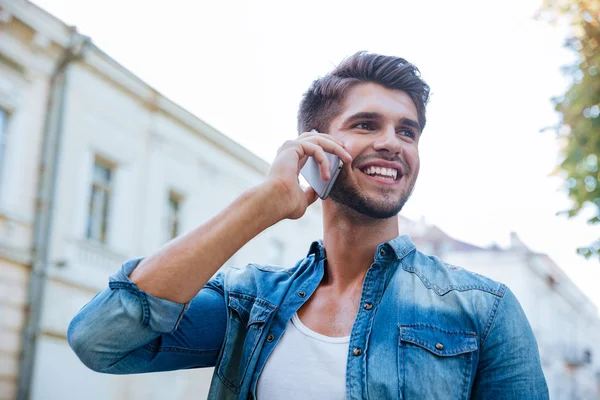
102	212
173	217
5	116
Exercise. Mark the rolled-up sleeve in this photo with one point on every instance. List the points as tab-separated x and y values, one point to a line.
126	330
509	364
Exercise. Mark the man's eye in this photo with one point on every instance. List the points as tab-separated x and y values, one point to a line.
367	126
407	133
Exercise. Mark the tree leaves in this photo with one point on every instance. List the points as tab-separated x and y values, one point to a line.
579	109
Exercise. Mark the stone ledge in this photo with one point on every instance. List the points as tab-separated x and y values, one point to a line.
16	255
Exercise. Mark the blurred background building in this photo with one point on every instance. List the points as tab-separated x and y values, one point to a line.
97	167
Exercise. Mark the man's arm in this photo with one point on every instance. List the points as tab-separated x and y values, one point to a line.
142	323
123	330
179	270
169	319
509	363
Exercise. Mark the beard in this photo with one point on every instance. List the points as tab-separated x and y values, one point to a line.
386	206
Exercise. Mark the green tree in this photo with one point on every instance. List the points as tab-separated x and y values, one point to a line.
579	109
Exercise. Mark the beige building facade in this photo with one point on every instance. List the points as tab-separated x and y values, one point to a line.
97	167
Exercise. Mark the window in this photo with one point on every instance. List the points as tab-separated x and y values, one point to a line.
173	216
100	201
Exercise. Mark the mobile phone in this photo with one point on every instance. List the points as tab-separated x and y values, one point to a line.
312	173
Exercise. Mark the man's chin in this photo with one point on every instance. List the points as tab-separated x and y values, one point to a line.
367	207
380	213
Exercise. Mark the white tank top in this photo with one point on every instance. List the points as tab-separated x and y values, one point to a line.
305	365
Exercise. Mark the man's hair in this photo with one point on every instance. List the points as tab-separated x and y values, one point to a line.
324	99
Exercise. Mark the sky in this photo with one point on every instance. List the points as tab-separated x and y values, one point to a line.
242	66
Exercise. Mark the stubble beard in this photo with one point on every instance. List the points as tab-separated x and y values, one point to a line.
387	206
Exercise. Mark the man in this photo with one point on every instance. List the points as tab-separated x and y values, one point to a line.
364	316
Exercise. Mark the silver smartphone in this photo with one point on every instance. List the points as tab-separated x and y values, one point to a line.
312	173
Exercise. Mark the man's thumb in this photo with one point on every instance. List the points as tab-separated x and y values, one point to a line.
311	195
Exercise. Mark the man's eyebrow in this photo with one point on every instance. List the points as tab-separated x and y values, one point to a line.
375	115
365	115
411	123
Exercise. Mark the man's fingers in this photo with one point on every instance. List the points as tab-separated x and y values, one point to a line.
317	152
308	135
312	144
332	147
328	143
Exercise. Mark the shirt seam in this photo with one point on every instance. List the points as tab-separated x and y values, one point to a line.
451	288
175	349
491	319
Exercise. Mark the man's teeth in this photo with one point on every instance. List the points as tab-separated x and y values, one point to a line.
383	172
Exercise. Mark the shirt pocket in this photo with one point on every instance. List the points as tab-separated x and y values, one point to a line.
435	363
247	317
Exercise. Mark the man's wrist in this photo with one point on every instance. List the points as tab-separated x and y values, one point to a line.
275	199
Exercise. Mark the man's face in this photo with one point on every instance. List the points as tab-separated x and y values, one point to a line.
379	129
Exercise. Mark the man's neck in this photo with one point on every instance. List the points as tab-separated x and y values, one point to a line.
350	241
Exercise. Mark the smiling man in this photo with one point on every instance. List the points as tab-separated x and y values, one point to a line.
364	316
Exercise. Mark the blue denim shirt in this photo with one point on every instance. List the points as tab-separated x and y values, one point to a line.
424	329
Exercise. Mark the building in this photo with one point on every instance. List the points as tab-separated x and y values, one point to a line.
97	167
565	322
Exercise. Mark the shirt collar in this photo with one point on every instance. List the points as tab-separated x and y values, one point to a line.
396	248
317	249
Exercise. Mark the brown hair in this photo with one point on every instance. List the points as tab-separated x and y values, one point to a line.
323	100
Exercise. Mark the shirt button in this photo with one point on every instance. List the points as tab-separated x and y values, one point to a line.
439	346
270	338
302	294
382	251
357	351
368	306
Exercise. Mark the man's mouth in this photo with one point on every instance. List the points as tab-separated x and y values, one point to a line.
390	174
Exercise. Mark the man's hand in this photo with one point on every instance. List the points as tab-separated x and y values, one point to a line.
290	159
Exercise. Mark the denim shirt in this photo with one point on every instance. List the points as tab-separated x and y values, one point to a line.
424	329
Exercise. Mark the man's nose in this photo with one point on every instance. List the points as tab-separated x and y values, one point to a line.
387	140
